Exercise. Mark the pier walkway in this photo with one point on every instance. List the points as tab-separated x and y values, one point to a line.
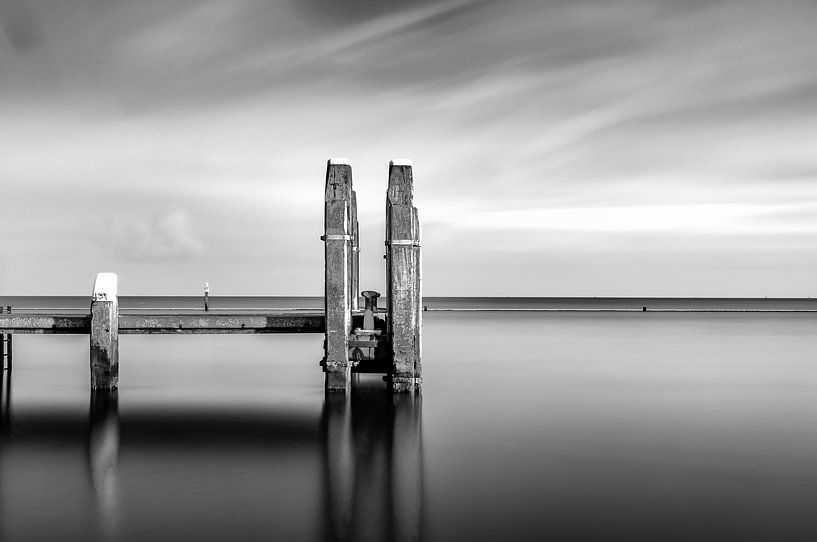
278	321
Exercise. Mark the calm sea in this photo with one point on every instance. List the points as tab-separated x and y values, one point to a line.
532	426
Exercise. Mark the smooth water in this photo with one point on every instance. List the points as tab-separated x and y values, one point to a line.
532	426
226	303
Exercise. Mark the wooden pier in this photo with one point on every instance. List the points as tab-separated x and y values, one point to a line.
373	339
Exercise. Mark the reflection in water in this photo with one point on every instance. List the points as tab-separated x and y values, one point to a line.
103	454
5	403
373	459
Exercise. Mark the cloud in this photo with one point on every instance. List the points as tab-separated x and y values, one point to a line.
526	119
167	235
713	219
19	26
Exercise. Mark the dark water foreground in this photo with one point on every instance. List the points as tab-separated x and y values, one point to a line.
532	426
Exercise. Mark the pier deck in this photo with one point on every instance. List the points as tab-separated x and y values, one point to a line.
143	322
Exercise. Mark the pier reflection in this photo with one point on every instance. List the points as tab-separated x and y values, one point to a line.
103	456
5	402
373	458
207	473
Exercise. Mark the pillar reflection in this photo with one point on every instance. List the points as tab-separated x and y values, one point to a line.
5	403
103	455
373	459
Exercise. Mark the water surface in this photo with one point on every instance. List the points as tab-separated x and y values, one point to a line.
569	426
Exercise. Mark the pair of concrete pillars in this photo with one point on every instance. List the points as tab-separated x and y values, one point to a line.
403	277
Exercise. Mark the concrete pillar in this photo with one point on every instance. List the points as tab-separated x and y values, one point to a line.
105	333
403	278
338	303
354	255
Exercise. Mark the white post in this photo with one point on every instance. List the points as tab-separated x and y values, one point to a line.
105	333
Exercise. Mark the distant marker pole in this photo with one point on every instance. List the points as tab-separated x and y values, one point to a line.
206	296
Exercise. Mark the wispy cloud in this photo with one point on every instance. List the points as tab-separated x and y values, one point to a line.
679	121
712	219
18	26
169	234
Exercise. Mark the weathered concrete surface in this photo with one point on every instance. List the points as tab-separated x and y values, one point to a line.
45	323
337	238
105	333
354	255
268	322
283	321
403	277
418	330
7	351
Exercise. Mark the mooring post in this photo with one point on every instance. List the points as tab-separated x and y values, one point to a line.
337	242
403	278
354	255
105	333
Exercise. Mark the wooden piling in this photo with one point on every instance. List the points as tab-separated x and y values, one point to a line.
105	333
337	242
403	278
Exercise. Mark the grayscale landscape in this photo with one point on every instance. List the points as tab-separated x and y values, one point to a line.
438	270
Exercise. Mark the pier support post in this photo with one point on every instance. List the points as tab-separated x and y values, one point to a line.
7	351
418	329
7	345
105	333
403	278
354	255
338	244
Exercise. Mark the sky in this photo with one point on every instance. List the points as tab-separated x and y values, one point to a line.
560	148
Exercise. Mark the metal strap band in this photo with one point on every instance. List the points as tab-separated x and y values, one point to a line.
405	242
336	237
